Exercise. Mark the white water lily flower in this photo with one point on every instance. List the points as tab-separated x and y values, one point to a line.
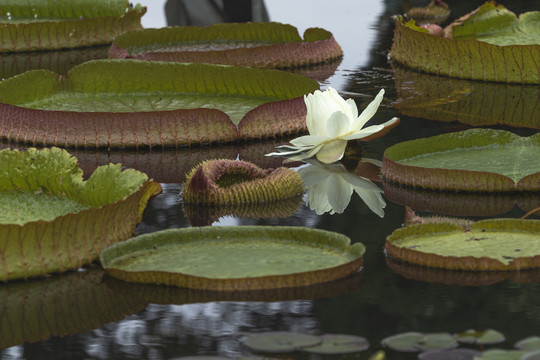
330	187
331	122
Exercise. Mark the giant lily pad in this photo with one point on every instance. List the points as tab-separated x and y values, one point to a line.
234	258
263	45
61	305
471	160
490	44
475	103
51	220
501	244
231	182
131	103
59	24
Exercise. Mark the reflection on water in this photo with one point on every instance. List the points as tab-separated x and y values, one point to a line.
387	302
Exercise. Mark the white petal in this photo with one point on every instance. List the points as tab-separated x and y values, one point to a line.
308	140
318	201
337	125
360	182
339	194
304	155
353	107
373	200
339	103
312	175
370	130
368	112
332	151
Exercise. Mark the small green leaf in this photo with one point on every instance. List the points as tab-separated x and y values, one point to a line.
497	354
415	341
448	354
530	343
279	342
485	337
338	344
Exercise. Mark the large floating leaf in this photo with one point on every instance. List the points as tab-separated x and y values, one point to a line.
263	45
502	244
413	341
131	103
469	102
280	341
471	160
57	24
231	182
468	55
234	258
61	305
86	215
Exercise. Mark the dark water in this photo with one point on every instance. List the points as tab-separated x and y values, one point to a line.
101	318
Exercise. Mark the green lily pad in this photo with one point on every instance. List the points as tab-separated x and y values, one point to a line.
262	45
475	103
449	354
472	53
280	341
530	343
53	220
500	244
485	337
498	354
234	258
435	12
470	160
61	305
338	344
58	24
534	355
151	104
414	341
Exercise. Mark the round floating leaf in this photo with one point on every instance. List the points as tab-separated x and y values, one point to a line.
58	24
531	343
231	182
485	337
234	258
475	103
52	220
497	354
449	354
280	342
435	12
471	160
415	341
468	55
263	45
499	244
151	104
201	357
338	344
535	355
61	305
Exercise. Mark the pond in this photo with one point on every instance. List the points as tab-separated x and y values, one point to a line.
102	318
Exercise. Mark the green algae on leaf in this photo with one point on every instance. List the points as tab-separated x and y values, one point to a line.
151	104
231	182
234	258
468	55
262	45
471	160
487	245
85	216
58	24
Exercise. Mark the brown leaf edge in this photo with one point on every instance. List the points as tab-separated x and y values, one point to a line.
467	263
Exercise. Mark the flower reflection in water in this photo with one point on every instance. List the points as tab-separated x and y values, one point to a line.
330	187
